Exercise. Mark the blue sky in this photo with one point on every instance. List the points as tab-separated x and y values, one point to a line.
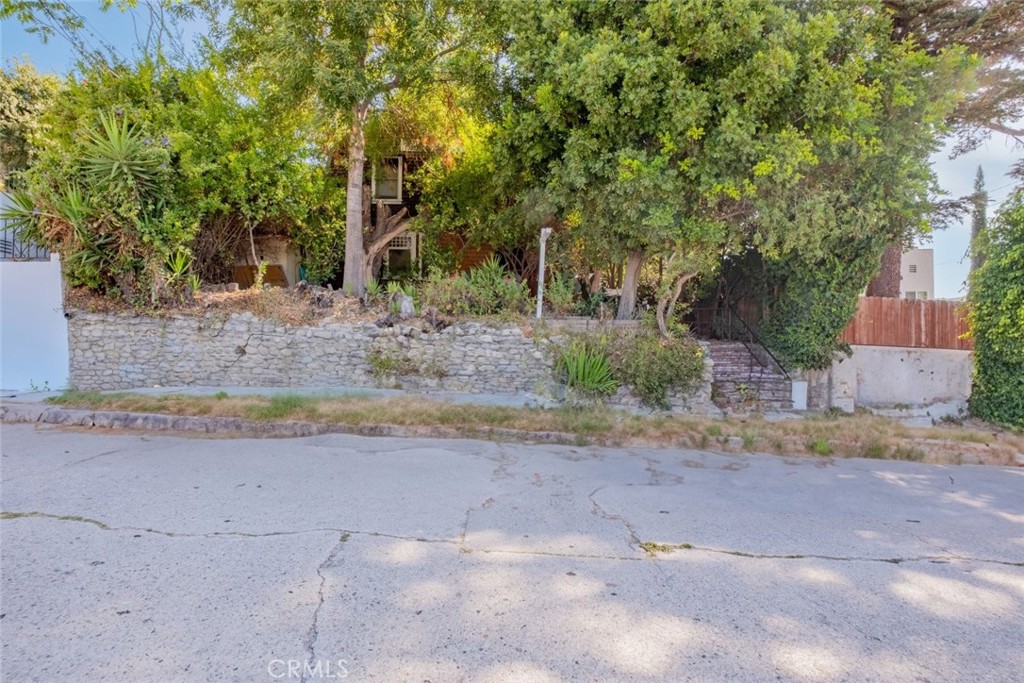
125	30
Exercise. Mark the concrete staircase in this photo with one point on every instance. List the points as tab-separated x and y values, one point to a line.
743	381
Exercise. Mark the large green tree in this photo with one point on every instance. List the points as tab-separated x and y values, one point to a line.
24	96
347	60
686	130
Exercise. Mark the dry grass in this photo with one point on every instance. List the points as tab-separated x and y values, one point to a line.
860	435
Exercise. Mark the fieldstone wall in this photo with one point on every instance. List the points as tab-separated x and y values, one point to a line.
122	351
111	351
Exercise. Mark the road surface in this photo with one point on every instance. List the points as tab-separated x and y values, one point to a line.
160	558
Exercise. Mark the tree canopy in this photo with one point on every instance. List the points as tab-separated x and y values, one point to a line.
671	128
348	60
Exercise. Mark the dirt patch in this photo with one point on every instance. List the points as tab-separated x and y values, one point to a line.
291	306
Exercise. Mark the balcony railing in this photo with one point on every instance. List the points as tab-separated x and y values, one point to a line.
14	249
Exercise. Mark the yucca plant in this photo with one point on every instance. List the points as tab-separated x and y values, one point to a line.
178	265
119	155
587	370
22	215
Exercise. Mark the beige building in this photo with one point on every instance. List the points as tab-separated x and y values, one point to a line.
917	271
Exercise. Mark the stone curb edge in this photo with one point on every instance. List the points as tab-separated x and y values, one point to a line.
156	422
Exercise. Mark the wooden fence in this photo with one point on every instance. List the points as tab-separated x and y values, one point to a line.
903	322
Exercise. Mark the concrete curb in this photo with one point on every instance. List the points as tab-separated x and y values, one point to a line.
155	422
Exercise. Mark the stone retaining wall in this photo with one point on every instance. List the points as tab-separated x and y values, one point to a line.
125	351
120	351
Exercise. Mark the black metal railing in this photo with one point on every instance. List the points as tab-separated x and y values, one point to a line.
761	347
13	248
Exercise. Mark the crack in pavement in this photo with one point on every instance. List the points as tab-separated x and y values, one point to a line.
656	548
314	630
599	511
57	469
651	553
465	523
5	515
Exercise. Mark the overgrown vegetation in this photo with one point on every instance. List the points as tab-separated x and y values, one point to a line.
639	358
148	170
664	137
997	318
485	290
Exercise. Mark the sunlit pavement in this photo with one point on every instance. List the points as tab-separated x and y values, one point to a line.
157	558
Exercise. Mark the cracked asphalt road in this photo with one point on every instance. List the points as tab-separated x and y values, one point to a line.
159	558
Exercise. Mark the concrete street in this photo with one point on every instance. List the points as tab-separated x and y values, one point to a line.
131	557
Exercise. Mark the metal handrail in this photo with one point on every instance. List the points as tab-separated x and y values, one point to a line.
757	340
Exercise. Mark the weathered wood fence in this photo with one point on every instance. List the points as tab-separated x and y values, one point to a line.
934	324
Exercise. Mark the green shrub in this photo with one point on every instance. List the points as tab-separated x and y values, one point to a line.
653	366
997	318
485	290
559	293
587	370
649	364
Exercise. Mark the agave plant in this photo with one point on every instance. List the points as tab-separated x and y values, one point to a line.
119	155
587	370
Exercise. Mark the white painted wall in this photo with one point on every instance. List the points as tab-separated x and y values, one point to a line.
917	270
33	330
883	378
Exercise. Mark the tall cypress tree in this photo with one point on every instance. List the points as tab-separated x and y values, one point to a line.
978	219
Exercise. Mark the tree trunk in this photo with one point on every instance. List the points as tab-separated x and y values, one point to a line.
375	248
887	282
257	278
627	302
388	227
595	281
667	302
354	282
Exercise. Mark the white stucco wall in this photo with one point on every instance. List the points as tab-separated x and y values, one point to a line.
33	330
893	377
922	279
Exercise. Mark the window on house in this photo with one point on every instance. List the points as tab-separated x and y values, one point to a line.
913	267
387	179
922	295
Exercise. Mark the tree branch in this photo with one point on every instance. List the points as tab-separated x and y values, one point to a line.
380	242
1016	133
